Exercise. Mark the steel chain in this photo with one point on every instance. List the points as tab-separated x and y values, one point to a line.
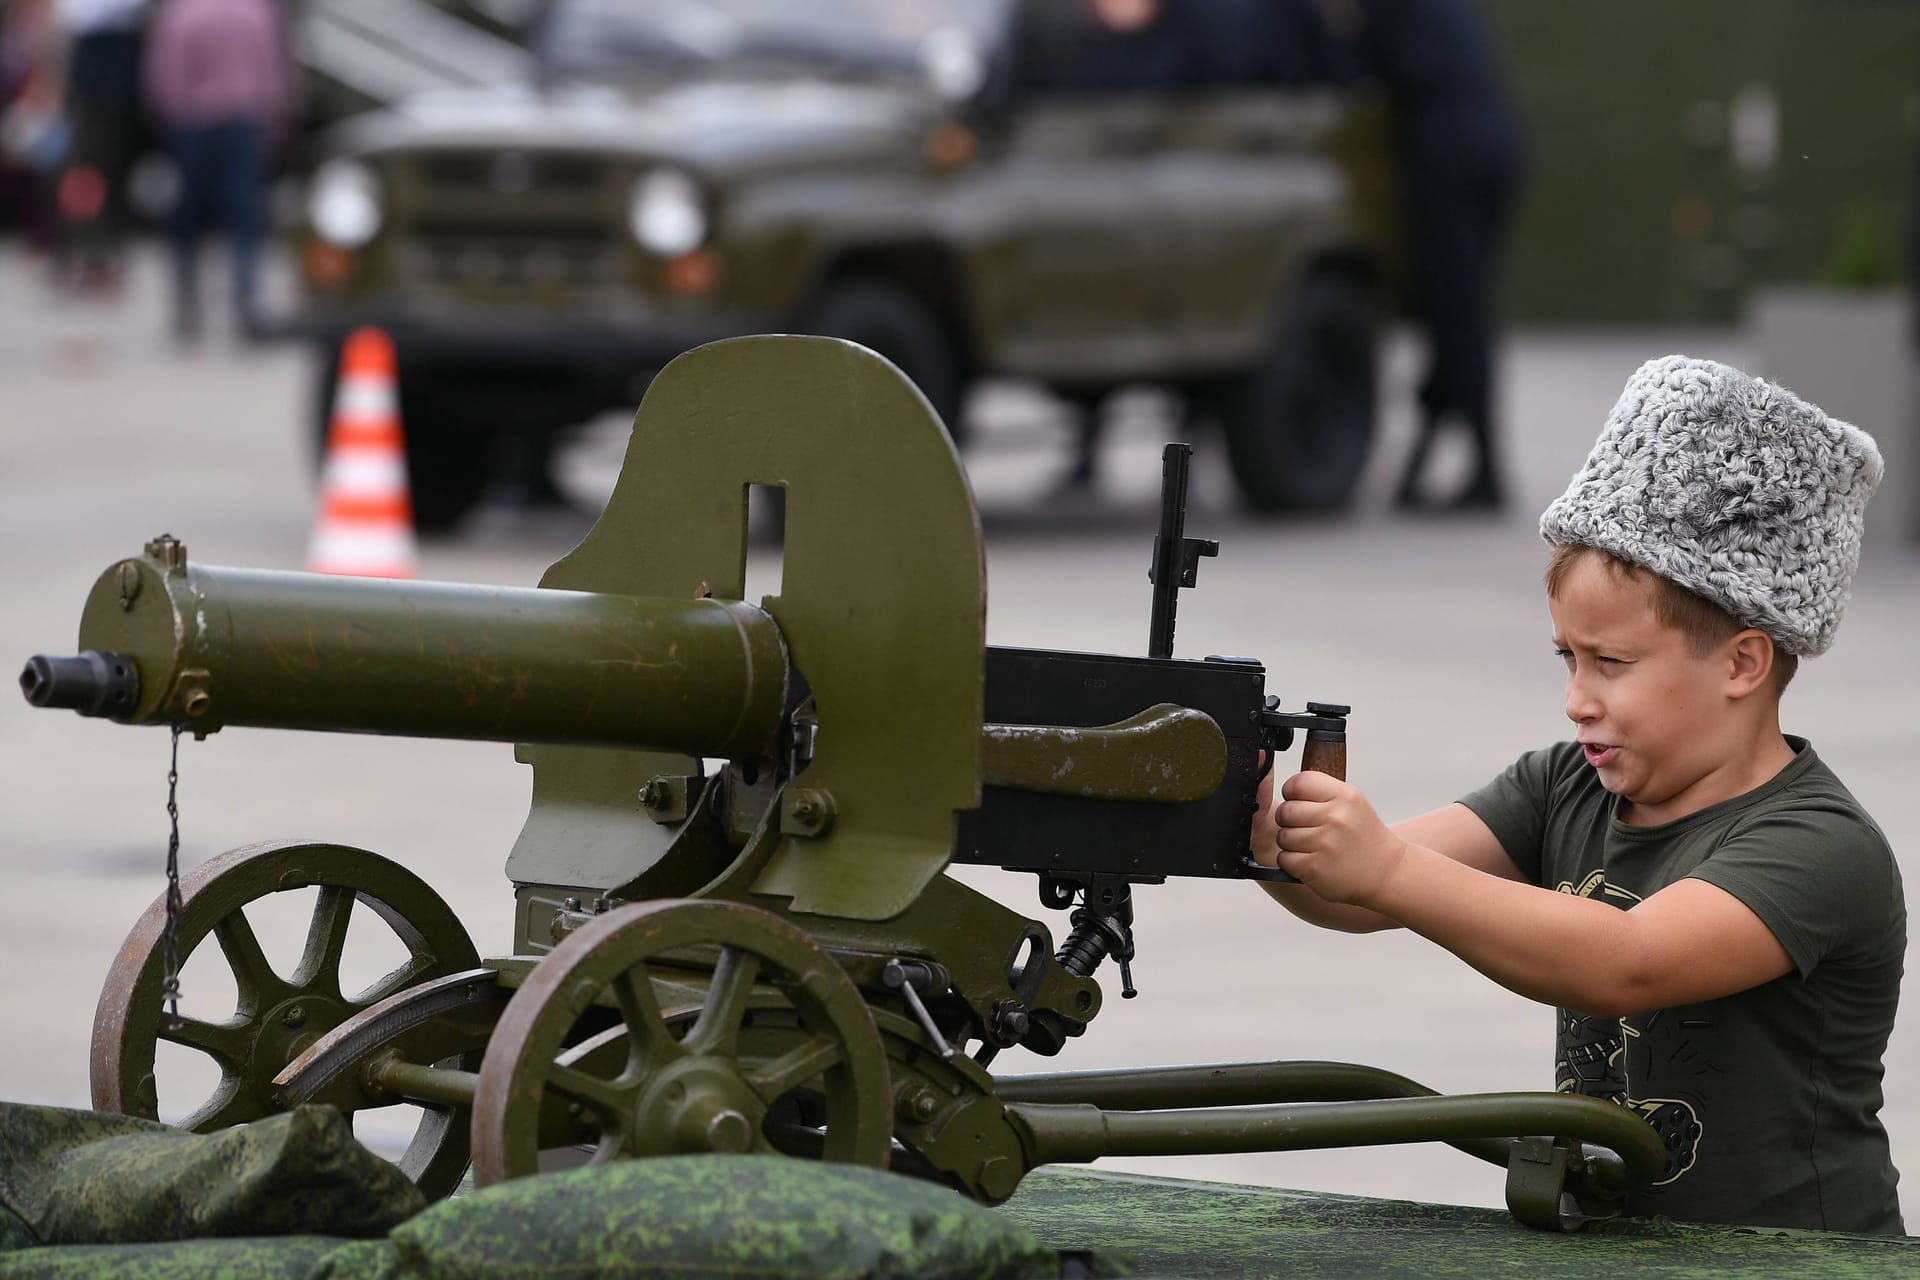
170	940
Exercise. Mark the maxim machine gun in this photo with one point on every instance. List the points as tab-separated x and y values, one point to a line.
763	955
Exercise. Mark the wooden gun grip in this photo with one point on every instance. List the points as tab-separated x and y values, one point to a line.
1325	753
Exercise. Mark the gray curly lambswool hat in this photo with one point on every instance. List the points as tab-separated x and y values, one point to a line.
1734	488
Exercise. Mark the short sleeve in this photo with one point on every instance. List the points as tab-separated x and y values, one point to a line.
1819	877
1514	807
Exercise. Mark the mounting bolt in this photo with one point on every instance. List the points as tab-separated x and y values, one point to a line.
169	551
1010	1023
293	1017
917	1105
665	797
998	1176
129	583
806	811
729	1130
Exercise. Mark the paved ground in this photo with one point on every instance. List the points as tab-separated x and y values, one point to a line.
1435	631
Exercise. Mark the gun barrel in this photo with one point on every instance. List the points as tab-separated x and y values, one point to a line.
211	647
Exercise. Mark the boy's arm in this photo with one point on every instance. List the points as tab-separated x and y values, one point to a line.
1455	831
1691	941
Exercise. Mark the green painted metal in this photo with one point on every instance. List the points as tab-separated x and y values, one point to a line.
875	621
1231	1084
1165	754
990	952
218	646
448	1086
1076	1133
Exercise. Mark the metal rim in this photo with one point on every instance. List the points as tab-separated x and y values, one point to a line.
277	1016
442	1023
673	1092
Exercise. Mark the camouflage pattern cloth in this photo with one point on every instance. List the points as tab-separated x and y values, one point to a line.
720	1216
250	1258
84	1177
1175	1227
84	1194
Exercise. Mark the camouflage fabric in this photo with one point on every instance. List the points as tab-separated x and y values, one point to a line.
1173	1227
718	1216
14	1231
254	1258
83	1177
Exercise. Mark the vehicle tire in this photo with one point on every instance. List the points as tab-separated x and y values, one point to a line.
894	322
447	454
1299	428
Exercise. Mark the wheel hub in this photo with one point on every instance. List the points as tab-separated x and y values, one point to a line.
698	1104
287	1030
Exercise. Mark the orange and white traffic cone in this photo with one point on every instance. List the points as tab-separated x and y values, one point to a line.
365	525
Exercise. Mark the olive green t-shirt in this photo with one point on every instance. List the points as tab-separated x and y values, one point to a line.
1769	1099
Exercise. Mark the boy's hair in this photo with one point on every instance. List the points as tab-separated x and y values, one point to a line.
1703	623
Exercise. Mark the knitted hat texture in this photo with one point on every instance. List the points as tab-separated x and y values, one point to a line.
1734	488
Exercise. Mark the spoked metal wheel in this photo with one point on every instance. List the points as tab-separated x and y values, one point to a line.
684	1070
276	1017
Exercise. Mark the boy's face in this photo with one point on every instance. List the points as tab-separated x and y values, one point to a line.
1646	706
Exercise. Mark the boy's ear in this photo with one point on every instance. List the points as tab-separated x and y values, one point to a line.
1750	662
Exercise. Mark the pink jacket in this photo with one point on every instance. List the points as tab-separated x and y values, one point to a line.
215	61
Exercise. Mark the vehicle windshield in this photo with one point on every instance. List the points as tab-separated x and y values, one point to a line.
598	38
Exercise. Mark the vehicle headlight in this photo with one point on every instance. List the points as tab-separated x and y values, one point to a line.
668	215
344	206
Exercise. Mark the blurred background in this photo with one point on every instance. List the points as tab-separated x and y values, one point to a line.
1385	262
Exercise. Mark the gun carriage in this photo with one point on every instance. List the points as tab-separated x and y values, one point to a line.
733	930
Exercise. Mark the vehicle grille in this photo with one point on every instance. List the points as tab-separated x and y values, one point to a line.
509	172
508	223
510	262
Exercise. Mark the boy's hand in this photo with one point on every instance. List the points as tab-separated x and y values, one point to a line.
1264	842
1330	838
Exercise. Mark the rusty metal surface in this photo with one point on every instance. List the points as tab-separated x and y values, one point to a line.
672	1093
278	1016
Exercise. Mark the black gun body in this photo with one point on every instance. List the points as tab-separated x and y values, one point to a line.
1139	841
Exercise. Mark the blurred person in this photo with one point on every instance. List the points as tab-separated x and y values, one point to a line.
103	103
217	77
1717	919
1103	46
1144	46
1461	159
1264	42
34	134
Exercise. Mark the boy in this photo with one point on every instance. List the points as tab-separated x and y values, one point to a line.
1718	920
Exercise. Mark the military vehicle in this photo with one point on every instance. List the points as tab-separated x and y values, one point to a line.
973	188
762	952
